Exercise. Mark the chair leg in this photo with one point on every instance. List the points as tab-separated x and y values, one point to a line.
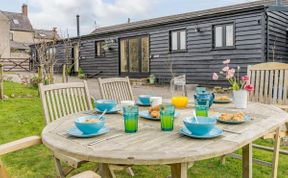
59	168
276	154
3	172
130	171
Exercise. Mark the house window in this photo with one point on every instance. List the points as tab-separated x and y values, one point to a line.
178	40
99	49
223	36
11	36
15	21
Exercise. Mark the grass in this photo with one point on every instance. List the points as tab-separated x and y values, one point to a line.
22	116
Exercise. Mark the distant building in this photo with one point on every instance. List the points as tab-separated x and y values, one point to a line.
17	33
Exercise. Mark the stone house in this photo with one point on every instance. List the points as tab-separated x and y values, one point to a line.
17	33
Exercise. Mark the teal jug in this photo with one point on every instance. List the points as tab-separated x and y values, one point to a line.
204	95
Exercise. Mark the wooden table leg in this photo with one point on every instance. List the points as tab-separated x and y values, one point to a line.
247	161
179	170
105	171
276	153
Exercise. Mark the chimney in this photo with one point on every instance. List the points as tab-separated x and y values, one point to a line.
278	2
25	10
78	25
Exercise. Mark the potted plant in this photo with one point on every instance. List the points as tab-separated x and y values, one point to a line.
240	85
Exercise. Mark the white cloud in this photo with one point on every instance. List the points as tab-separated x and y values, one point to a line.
61	13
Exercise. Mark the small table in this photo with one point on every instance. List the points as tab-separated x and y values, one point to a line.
150	146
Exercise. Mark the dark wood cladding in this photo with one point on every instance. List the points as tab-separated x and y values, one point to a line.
277	36
255	31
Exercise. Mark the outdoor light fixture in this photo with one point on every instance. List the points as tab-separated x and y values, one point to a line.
196	29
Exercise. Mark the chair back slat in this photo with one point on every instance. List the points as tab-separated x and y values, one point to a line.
261	87
280	89
270	81
117	89
59	100
60	94
266	87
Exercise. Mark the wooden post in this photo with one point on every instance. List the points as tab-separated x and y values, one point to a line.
64	73
247	161
40	73
1	82
51	75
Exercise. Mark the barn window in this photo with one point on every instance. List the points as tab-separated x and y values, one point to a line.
223	36
99	49
178	40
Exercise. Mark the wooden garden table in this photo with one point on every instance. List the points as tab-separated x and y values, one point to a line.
150	146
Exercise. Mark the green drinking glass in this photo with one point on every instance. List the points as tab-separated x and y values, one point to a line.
202	108
130	114
167	117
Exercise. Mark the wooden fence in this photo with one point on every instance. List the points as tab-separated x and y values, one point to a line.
16	64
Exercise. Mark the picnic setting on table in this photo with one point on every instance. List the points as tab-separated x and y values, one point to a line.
151	130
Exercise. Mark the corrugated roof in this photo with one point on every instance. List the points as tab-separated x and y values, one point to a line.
185	16
18	21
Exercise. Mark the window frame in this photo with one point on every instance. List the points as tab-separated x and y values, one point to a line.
96	43
178	50
224	45
11	36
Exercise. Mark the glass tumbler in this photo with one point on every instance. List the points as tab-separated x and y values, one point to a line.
130	114
167	113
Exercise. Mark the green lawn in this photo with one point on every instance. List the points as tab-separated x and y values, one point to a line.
21	116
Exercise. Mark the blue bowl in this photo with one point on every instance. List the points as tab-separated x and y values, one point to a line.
89	127
101	105
204	125
144	99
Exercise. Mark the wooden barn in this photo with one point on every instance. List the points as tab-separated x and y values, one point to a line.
192	43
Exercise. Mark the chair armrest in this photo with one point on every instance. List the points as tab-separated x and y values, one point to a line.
20	144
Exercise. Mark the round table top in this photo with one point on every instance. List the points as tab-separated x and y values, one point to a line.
150	145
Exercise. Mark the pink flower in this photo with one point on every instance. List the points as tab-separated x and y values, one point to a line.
215	76
225	69
227	61
230	73
249	87
245	78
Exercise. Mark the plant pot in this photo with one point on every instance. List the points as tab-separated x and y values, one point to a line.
240	98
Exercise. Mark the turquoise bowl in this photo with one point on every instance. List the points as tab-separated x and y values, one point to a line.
102	105
204	125
89	127
144	99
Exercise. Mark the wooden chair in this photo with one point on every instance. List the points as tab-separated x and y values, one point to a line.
28	142
270	81
59	100
116	88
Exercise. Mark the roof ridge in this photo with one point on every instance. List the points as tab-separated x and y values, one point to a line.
182	15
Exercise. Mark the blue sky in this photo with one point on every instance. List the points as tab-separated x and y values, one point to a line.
46	14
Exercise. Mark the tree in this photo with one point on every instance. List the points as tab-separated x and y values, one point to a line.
45	54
